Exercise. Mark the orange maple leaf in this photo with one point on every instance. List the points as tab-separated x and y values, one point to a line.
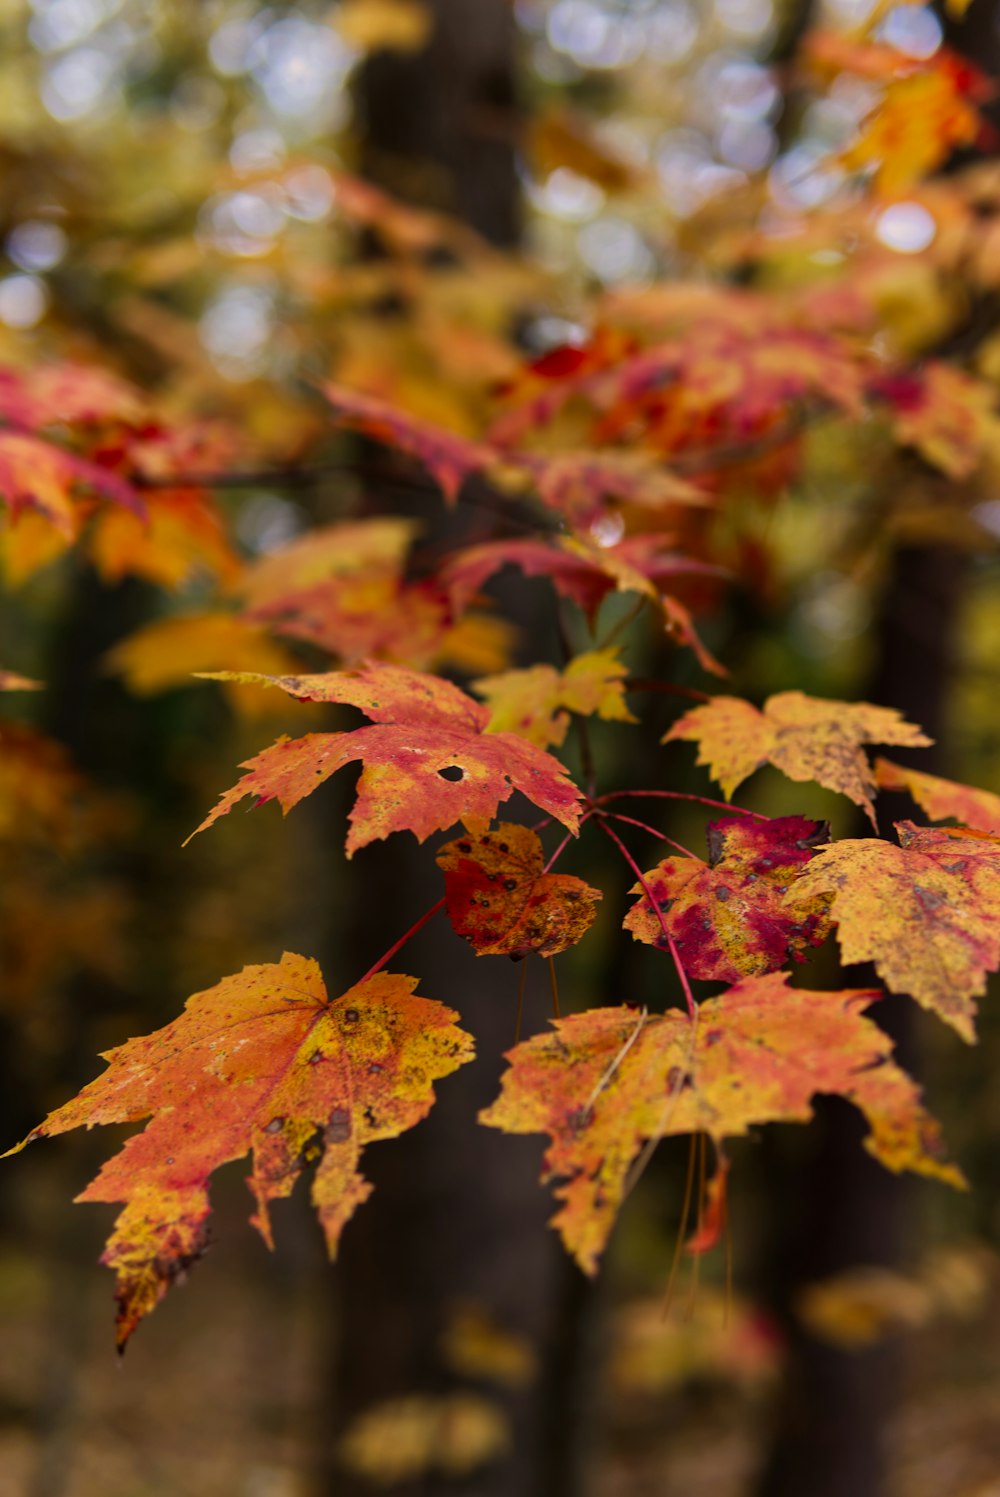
580	483
265	1063
807	738
365	614
429	760
917	125
604	1083
332	552
165	654
942	799
927	912
950	417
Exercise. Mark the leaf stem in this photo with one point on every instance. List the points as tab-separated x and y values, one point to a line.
623	623
701	800
692	1007
407	936
699	1223
669	688
653	832
675	1261
569	837
555	988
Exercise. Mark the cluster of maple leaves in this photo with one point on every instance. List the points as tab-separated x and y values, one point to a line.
617	455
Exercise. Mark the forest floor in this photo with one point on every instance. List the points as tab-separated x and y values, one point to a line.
217	1396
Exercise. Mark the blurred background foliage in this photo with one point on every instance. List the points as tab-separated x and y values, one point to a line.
195	197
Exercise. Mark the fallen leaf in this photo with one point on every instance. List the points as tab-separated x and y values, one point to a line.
862	1305
716	1337
403	1439
474	1345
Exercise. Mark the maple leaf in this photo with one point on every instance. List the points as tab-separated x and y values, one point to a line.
680	627
384	25
926	913
728	917
947	415
343	588
451	458
920	121
712	1216
404	228
365	614
578	570
829	52
562	138
68	394
428	760
579	484
378	545
11	681
501	901
35	475
807	738
728	374
535	703
41	793
604	1083
546	385
167	652
940	798
265	1063
413	1437
181	535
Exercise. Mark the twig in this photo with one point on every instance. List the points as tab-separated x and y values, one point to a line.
645	827
397	945
692	1007
701	800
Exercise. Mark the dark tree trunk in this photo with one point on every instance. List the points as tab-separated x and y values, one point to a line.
832	1420
438	127
458	1217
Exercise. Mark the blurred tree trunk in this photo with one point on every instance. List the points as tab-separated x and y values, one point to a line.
830	1437
847	1209
438	127
458	1217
